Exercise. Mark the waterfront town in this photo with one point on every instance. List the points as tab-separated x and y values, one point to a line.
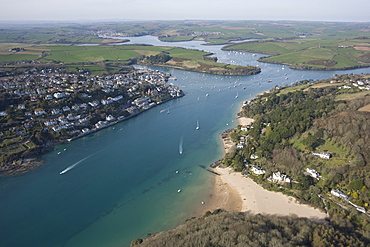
43	107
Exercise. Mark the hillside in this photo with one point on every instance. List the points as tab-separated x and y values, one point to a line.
245	229
313	53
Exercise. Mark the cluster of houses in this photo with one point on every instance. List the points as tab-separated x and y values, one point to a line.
363	84
340	194
243	139
277	177
36	87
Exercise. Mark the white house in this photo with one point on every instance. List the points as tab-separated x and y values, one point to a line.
85	130
119	97
280	177
244	128
59	95
100	124
258	170
322	155
66	108
110	118
141	101
254	156
50	122
39	112
55	111
95	103
339	193
313	173
48	97
57	128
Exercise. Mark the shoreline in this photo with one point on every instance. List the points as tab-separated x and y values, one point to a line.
234	192
24	165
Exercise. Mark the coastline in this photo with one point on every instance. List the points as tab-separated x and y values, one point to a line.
234	192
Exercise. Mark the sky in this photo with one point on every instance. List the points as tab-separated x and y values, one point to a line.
96	10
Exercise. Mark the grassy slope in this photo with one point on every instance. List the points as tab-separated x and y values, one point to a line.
319	50
304	51
72	55
341	156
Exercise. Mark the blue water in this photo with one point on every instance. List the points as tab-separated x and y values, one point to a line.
122	182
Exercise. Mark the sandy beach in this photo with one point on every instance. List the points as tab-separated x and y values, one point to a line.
258	200
235	192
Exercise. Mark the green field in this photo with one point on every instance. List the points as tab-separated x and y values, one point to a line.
340	156
311	53
81	54
105	56
302	45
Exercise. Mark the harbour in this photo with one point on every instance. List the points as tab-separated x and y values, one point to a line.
125	178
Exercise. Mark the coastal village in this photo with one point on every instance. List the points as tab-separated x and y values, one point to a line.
43	107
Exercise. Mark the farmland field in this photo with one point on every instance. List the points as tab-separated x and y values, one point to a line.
71	56
302	45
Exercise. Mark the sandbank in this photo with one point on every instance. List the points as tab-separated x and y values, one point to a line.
245	120
223	197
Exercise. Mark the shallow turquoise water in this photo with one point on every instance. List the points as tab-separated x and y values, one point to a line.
125	179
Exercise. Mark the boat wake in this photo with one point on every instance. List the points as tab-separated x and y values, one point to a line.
74	165
180	145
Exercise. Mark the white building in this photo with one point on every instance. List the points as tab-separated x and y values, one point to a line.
280	177
66	108
110	118
258	170
39	112
313	173
254	156
59	95
339	193
245	128
85	130
50	122
55	111
322	155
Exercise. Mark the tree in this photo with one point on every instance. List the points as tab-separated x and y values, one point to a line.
356	184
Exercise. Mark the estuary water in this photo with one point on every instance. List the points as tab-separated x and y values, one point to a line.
131	179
